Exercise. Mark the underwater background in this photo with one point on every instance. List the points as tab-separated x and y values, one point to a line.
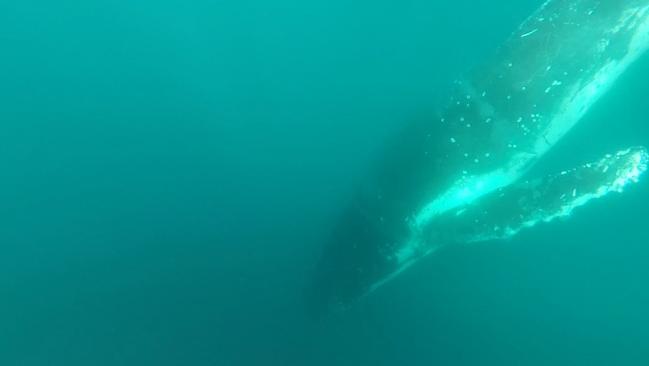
170	171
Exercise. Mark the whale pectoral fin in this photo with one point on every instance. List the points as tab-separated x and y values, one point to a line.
505	212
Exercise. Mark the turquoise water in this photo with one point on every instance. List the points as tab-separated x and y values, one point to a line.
171	170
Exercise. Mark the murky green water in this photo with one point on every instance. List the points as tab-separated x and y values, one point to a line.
170	171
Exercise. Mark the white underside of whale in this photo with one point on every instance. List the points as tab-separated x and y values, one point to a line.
573	107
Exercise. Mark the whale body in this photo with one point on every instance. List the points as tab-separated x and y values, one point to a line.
461	178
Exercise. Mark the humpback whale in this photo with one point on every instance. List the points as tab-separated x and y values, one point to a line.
463	177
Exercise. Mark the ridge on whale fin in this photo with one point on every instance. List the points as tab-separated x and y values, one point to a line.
503	213
506	211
